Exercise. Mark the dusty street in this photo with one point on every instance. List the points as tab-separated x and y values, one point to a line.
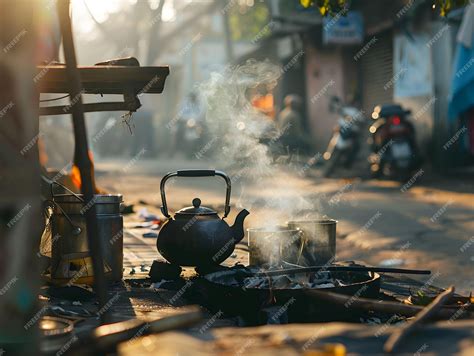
424	225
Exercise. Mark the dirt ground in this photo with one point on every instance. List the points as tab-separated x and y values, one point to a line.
428	224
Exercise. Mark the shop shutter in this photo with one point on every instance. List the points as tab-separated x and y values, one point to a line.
377	71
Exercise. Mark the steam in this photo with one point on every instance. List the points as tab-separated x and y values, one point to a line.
239	129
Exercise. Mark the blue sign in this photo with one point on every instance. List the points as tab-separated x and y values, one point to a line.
343	28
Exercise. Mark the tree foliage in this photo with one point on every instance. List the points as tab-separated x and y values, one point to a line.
331	7
247	22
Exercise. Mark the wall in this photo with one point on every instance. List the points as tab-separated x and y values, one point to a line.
324	78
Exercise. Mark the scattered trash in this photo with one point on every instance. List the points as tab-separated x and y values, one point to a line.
126	209
132	271
163	270
146	216
373	321
150	234
234	255
158	285
143	268
143	225
392	262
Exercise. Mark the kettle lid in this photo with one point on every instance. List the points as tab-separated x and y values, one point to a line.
196	209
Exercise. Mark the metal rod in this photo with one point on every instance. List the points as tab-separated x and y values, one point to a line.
82	156
342	268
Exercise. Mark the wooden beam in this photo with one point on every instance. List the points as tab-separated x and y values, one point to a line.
104	79
92	107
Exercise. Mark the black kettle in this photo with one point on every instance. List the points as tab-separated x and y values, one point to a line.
196	235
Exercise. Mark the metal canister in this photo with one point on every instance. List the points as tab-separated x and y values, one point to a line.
318	240
70	251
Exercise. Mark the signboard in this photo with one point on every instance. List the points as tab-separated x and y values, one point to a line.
343	28
412	66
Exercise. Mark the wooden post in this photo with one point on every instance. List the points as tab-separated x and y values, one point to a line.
81	156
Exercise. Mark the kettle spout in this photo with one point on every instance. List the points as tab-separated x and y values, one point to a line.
238	227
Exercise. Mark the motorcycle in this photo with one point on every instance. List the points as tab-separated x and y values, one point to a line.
344	144
393	140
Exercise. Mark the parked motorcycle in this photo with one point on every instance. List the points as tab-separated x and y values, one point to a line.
344	144
393	140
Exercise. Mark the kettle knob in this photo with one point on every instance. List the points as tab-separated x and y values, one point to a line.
196	202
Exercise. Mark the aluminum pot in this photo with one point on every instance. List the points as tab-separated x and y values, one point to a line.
69	235
318	241
274	245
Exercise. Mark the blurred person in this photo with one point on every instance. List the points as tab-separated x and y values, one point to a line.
290	125
190	131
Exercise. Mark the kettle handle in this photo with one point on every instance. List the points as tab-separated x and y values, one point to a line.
195	173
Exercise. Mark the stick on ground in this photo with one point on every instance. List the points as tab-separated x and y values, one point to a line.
431	309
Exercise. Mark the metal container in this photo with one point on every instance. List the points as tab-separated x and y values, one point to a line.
70	250
56	335
318	241
273	245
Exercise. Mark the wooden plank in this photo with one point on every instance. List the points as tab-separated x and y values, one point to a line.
104	79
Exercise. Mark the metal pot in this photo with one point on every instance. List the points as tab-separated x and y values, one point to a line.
274	245
318	242
196	235
70	250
